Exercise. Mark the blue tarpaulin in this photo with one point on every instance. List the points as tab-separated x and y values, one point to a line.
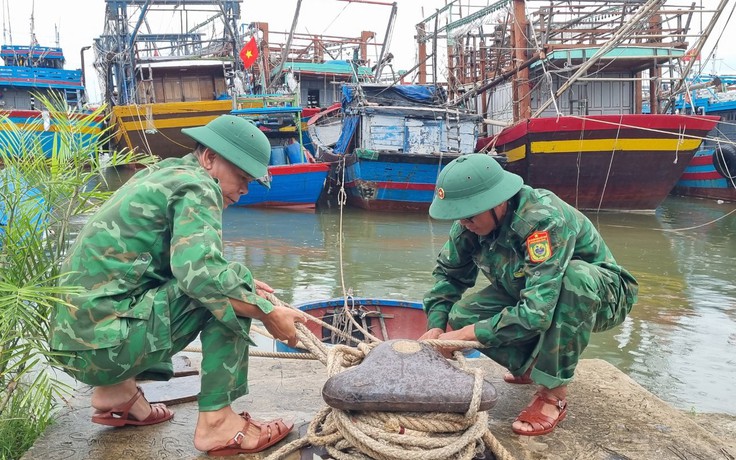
348	129
402	95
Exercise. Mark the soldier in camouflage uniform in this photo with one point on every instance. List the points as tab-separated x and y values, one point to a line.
552	281
151	266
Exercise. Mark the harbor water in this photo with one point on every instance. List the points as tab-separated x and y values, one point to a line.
678	342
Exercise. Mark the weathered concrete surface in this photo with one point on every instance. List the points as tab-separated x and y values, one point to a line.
610	417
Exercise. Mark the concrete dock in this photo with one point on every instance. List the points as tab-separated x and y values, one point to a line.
609	417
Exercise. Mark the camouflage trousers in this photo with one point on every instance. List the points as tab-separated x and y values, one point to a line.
224	369
591	299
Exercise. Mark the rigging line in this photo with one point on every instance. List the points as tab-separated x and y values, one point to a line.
718	40
696	226
640	128
578	163
720	157
610	164
143	134
335	18
342	200
548	77
680	140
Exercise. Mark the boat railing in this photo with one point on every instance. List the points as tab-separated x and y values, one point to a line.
29	76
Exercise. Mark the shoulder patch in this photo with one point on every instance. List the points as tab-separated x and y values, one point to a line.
539	247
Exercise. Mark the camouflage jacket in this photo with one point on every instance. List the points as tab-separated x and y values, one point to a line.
529	273
165	223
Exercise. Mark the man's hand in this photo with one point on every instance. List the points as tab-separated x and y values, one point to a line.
263	289
280	323
466	333
432	334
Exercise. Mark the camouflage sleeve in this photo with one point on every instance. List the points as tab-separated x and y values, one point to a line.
543	272
197	260
454	273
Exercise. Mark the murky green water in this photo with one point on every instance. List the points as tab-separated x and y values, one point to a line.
679	341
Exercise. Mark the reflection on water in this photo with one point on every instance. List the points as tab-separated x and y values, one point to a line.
679	341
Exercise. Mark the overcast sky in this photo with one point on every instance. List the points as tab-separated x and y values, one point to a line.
328	17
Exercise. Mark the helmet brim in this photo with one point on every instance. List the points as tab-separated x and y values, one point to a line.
469	206
230	151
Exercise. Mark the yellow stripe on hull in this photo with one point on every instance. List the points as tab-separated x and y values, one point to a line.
516	154
184	114
38	128
608	145
171	108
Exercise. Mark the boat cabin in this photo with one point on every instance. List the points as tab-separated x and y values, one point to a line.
182	81
29	71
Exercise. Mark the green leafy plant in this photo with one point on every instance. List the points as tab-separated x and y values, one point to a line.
46	186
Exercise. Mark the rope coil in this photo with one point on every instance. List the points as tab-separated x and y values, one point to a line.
354	435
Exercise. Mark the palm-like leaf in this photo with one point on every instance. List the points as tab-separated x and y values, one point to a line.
44	190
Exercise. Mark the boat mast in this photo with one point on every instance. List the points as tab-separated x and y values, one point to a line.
696	52
521	90
287	47
6	21
645	12
33	27
386	41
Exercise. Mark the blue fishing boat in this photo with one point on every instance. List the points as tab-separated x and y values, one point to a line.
712	171
29	75
394	141
297	180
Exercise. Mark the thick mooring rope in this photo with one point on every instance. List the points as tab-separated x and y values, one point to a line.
353	435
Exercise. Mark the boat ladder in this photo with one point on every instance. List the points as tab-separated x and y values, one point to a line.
452	126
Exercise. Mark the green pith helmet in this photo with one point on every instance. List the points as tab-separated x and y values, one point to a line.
471	184
237	140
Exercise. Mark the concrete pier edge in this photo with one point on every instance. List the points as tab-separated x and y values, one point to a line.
610	416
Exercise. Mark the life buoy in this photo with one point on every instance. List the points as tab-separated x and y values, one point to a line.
724	159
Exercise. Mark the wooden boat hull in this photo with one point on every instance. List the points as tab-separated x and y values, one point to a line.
386	319
292	186
616	162
401	319
394	181
702	180
156	128
34	129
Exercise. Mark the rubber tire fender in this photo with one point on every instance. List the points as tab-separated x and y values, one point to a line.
724	160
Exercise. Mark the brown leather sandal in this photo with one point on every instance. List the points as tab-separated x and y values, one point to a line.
119	416
517	380
271	433
541	424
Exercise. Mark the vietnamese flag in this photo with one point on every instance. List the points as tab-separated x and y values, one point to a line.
249	53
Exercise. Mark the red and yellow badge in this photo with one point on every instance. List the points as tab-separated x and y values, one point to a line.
539	247
440	193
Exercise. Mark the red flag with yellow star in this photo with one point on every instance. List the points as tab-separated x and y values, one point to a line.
249	53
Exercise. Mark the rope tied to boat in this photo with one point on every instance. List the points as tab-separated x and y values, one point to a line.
356	435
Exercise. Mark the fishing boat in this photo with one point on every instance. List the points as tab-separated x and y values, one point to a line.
394	141
563	84
157	82
384	319
324	127
186	77
711	173
30	77
297	180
